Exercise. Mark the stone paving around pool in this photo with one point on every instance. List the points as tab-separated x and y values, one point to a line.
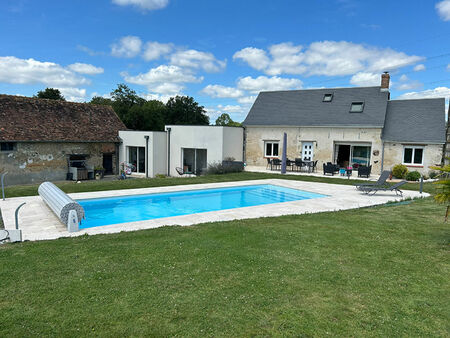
38	222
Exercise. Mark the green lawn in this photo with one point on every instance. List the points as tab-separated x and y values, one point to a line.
380	271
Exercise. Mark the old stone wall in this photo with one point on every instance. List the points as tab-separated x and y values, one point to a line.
393	154
323	139
35	162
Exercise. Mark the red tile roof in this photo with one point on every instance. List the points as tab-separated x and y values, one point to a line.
32	119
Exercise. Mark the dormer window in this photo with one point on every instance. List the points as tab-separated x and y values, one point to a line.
327	98
357	107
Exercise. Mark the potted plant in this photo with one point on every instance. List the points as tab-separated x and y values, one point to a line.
99	172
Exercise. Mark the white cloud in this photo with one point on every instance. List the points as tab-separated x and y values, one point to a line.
448	67
105	96
363	79
143	4
127	47
247	100
443	9
420	67
256	58
263	83
198	60
30	71
162	74
329	58
73	94
222	91
427	94
154	50
85	68
154	96
286	59
407	84
231	108
167	88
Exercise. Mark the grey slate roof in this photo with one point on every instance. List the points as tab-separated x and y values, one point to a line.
421	121
305	108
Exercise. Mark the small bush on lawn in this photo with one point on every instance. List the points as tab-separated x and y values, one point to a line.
399	171
228	165
413	176
214	168
433	174
160	176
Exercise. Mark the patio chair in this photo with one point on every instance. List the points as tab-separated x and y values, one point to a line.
314	166
181	172
299	164
269	163
330	168
374	189
380	183
364	170
276	162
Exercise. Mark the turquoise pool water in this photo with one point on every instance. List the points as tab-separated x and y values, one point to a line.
123	209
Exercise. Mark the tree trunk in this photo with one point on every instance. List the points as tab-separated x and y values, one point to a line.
446	213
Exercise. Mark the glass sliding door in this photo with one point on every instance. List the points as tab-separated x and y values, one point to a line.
136	157
352	154
361	155
133	158
200	161
141	160
194	160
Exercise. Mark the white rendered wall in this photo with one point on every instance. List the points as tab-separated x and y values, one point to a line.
157	149
219	142
233	143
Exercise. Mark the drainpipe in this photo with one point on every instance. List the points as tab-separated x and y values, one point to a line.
3	184
382	156
168	151
146	156
244	146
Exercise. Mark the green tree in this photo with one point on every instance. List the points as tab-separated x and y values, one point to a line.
101	100
148	116
443	195
184	110
51	94
225	120
124	99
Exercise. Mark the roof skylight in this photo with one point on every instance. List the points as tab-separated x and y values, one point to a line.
327	98
357	107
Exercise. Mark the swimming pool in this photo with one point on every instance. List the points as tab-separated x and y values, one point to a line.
124	209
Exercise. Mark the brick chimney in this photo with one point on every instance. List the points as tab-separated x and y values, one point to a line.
385	79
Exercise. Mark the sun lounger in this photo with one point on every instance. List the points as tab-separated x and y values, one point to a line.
373	190
380	183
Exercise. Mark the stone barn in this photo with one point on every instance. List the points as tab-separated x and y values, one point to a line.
44	140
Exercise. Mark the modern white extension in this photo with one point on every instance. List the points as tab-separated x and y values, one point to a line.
189	148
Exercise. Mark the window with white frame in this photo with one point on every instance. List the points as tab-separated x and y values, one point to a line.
413	155
271	148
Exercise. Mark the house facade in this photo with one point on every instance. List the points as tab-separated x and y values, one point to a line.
44	140
347	126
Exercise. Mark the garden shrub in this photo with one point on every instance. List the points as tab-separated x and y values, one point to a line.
228	165
399	171
433	174
413	176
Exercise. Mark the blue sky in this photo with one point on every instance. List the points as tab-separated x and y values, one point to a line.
223	52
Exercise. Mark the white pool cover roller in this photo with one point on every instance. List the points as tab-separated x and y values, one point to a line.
60	203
